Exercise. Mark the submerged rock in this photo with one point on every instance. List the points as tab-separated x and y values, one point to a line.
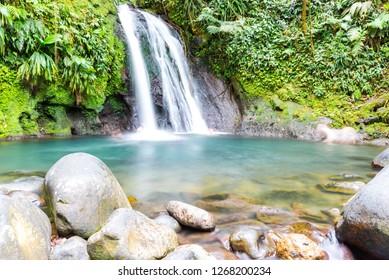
191	216
73	248
252	242
342	187
228	203
299	247
128	234
24	230
189	252
364	224
381	160
81	194
274	215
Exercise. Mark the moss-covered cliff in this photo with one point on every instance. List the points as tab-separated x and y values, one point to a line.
58	58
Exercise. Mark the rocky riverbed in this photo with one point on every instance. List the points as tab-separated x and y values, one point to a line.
78	210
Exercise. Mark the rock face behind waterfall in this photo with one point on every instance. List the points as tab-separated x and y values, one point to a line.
219	107
82	193
364	225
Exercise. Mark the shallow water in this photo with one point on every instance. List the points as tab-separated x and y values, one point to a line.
276	172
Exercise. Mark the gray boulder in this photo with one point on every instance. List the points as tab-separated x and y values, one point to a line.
189	252
346	135
191	216
73	248
381	160
82	193
364	224
130	235
25	230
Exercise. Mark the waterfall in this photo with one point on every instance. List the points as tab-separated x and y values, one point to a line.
141	81
180	110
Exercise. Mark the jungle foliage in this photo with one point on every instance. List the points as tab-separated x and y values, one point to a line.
66	46
329	55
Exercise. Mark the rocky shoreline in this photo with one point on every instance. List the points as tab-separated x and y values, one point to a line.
79	211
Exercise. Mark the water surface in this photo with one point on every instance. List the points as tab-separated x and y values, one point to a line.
277	172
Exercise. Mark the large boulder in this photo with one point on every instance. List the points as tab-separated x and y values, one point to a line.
82	193
346	135
130	235
364	224
191	216
25	230
381	160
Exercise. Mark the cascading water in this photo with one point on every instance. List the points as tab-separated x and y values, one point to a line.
166	51
140	76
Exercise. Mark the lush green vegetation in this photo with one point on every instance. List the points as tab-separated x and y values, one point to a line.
331	56
55	55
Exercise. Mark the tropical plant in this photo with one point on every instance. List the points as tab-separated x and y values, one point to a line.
79	73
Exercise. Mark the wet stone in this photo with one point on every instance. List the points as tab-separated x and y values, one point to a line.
381	160
252	242
299	247
345	177
191	216
342	187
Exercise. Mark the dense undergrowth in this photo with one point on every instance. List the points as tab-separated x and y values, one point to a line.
56	55
330	56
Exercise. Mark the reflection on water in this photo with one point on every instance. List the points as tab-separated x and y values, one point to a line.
276	172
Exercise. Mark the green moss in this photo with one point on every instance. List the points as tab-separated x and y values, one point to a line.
17	113
54	121
56	95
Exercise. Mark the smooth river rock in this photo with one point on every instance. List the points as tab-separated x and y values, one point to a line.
364	224
299	247
252	242
82	193
73	248
190	252
381	160
130	235
191	216
24	230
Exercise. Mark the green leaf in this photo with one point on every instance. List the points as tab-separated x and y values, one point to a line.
52	38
